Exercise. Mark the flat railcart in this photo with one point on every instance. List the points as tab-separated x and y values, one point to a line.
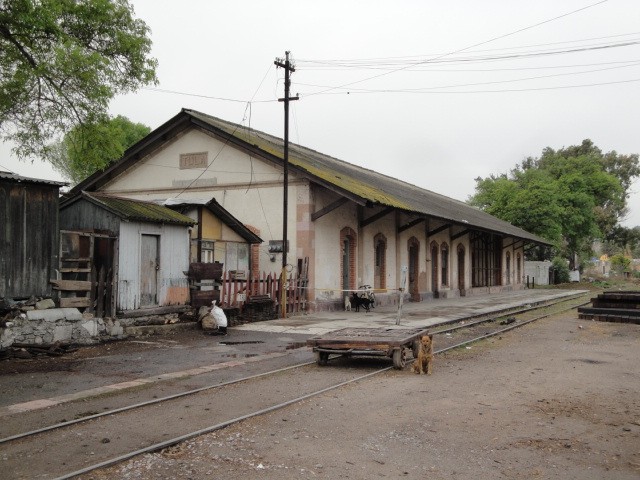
372	342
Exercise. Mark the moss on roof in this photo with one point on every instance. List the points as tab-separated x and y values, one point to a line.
303	158
365	184
138	210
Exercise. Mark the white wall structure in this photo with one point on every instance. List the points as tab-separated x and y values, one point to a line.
537	272
355	226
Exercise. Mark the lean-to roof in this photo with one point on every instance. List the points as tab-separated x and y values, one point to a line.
134	210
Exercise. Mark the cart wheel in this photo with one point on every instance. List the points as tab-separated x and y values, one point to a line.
322	358
399	358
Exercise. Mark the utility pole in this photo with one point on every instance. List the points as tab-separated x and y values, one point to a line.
288	69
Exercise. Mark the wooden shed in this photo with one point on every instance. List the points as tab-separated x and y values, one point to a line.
28	235
143	248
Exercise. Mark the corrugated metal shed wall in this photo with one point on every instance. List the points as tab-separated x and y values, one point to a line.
28	238
173	288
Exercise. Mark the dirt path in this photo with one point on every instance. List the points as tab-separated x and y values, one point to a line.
556	399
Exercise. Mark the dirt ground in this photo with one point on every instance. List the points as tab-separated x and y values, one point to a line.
556	399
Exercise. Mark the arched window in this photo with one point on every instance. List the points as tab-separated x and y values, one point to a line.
444	264
508	269
518	268
380	261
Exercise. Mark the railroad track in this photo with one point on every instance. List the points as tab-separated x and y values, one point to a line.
74	448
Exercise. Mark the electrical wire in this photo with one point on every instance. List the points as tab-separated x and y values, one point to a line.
228	138
421	89
463	49
533	89
8	169
378	59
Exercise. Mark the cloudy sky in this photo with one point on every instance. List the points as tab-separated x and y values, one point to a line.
434	93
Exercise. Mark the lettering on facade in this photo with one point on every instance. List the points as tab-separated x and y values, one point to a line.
194	160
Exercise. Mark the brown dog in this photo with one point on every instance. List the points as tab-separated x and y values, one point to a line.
422	364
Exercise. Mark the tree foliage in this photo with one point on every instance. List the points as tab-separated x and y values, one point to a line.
620	263
569	196
61	62
92	146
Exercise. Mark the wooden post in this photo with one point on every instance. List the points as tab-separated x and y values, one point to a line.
403	281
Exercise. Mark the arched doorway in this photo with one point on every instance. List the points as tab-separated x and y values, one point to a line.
348	259
414	268
434	269
380	270
461	271
508	269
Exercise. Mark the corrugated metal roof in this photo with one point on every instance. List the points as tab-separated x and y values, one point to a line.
367	184
137	210
19	178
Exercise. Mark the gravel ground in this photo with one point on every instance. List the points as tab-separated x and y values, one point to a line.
556	399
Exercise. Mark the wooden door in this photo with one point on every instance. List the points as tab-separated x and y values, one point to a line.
150	264
434	269
414	266
461	272
346	260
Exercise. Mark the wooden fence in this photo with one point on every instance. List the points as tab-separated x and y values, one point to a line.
94	295
235	292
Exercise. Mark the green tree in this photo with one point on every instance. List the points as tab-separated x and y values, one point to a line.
570	196
92	146
61	62
620	263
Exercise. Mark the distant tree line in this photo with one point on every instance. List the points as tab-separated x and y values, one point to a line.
571	197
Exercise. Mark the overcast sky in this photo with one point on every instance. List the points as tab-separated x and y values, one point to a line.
431	92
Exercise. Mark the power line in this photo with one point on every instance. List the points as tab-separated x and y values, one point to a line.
538	77
384	59
425	65
562	87
210	97
466	48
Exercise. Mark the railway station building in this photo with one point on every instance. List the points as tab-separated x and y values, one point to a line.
347	225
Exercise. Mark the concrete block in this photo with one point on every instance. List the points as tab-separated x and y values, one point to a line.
54	314
62	333
45	304
90	327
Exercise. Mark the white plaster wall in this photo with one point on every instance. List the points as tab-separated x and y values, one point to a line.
538	271
161	169
250	189
174	260
328	250
387	227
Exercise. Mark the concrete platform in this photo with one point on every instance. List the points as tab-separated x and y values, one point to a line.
414	314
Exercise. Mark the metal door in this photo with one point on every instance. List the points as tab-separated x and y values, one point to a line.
150	264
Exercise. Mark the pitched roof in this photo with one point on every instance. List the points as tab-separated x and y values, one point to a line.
133	210
359	184
222	213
